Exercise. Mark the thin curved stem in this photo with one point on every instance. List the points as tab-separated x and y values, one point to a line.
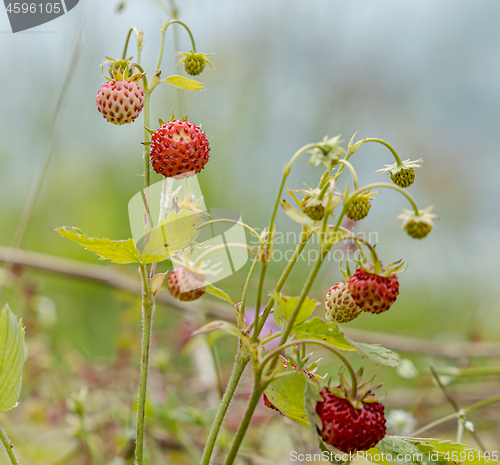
124	54
284	276
8	447
176	21
236	245
162	45
259	299
247	285
373	186
241	361
385	144
303	295
452	416
344	360
353	172
239	223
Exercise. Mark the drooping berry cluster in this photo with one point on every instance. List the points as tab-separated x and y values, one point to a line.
179	149
364	291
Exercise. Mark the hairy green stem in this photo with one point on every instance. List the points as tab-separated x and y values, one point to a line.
303	295
247	285
147	323
284	276
241	361
245	422
8	447
162	45
259	299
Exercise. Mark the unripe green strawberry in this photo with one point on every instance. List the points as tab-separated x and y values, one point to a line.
340	306
418	229
358	208
315	212
185	285
194	65
404	177
417	225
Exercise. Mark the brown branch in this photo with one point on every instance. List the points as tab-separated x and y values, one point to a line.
109	276
425	346
99	274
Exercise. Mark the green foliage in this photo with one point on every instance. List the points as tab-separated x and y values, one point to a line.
414	451
284	308
376	353
184	83
218	325
11	358
172	234
286	393
295	215
319	330
219	293
107	249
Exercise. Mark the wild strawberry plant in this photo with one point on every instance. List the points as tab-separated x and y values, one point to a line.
346	414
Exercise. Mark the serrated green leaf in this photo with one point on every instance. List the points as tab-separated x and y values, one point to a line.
173	233
184	83
287	394
215	291
284	308
11	358
107	249
402	451
218	325
376	353
319	330
426	452
295	215
455	452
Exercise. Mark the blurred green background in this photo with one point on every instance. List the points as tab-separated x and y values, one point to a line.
422	75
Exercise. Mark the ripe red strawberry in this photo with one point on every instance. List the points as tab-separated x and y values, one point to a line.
347	428
179	149
185	285
340	306
373	290
120	102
